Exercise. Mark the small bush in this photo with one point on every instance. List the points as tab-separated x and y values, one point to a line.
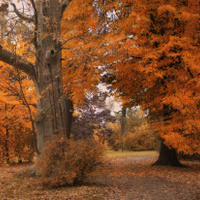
137	135
114	140
67	162
139	142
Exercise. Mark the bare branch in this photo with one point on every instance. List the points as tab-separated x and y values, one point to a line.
17	62
34	7
23	97
21	15
73	37
190	73
64	5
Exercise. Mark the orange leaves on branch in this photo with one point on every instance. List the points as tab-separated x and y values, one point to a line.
15	125
160	66
82	49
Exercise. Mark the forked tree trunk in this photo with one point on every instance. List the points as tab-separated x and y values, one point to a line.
167	157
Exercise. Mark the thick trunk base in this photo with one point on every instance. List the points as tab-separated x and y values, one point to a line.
168	157
56	121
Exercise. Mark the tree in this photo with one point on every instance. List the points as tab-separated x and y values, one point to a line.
137	135
158	68
54	108
92	118
18	109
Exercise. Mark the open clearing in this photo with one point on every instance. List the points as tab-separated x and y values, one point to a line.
120	178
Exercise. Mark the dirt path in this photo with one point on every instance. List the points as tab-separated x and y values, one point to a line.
148	188
130	178
138	180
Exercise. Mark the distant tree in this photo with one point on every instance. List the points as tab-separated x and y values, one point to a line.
138	134
92	119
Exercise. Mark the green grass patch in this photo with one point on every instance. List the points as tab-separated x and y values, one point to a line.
115	154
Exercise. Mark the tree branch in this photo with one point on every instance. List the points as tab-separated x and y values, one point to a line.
73	37
17	62
34	7
64	5
24	100
21	15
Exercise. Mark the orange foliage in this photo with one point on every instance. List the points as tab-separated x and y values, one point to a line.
66	162
153	50
159	66
17	94
80	72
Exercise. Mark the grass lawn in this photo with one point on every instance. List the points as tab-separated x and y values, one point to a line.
116	154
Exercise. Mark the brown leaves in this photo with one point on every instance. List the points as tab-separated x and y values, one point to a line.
116	178
67	162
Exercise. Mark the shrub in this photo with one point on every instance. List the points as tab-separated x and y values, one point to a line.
139	141
114	140
138	137
67	162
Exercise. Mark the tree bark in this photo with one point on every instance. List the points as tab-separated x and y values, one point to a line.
6	141
167	157
54	110
123	126
6	146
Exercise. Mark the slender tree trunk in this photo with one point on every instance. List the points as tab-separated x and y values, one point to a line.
6	140
6	145
24	100
123	126
70	110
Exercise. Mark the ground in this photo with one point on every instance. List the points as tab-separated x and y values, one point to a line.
116	178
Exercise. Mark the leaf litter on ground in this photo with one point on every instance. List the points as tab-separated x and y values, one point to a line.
114	178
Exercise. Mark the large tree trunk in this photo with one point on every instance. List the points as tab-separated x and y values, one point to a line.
53	114
54	110
167	157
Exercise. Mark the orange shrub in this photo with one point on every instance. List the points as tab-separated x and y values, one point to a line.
67	162
140	141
